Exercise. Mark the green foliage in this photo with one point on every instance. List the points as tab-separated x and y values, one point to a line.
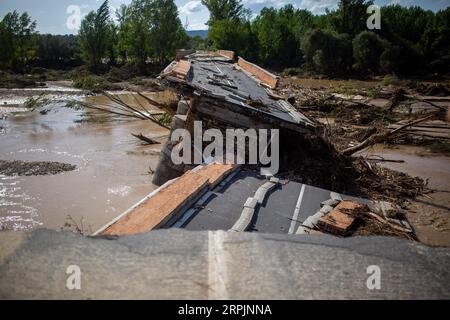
167	33
373	55
93	82
279	34
230	27
225	10
290	72
57	50
197	43
150	29
233	35
435	42
351	16
165	119
95	35
17	40
146	34
391	80
407	23
327	52
37	102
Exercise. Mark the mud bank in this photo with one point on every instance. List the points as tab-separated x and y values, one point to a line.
33	168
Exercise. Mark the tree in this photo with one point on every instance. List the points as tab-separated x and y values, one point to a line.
57	50
351	16
327	52
407	23
435	42
372	54
134	31
7	49
235	35
17	34
279	33
230	28
95	35
225	10
122	14
167	33
112	43
150	29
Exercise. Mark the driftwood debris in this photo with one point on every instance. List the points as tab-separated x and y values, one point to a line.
380	137
147	140
121	108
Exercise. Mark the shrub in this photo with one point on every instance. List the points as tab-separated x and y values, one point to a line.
290	72
391	80
327	52
92	82
368	51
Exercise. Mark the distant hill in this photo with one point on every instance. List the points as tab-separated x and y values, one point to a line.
201	33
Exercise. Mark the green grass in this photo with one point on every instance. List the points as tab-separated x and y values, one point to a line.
290	72
165	119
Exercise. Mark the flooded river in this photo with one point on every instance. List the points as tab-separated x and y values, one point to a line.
112	167
429	214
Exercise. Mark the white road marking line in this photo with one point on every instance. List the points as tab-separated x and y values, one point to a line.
297	210
217	272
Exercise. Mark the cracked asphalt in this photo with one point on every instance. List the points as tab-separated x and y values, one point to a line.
179	264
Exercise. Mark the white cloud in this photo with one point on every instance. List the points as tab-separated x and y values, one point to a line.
318	6
402	2
256	5
191	7
315	6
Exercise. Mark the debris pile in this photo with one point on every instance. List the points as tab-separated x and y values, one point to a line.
391	114
33	168
322	134
345	218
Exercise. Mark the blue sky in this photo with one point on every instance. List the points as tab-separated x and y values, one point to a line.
51	15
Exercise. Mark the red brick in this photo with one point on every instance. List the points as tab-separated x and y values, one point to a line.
350	205
336	222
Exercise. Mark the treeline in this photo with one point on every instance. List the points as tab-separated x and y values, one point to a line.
411	40
144	32
147	31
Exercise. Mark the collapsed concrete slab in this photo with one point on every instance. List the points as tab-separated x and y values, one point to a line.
214	80
224	94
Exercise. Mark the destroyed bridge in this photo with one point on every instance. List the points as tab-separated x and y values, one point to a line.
215	196
279	255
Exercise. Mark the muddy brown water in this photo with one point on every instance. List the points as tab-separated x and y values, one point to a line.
430	214
112	170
